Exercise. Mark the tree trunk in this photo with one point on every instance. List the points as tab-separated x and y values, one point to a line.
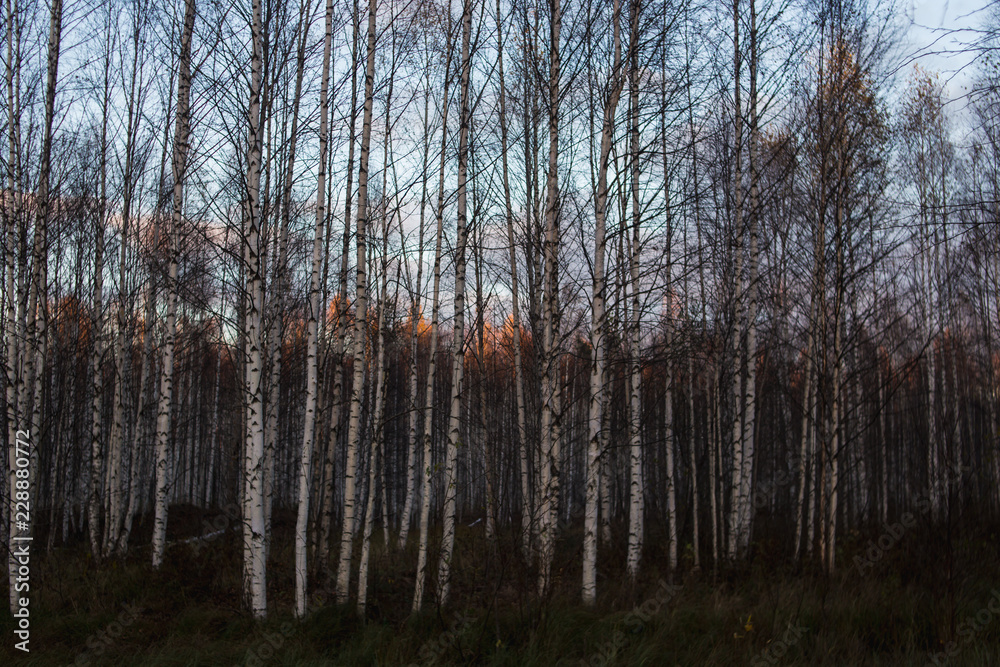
97	340
428	436
749	406
167	374
312	344
377	445
595	416
254	471
636	512
415	319
458	331
551	377
360	320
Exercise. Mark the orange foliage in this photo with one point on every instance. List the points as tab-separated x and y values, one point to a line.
423	326
333	310
71	319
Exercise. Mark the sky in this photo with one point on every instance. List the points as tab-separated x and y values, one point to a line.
939	31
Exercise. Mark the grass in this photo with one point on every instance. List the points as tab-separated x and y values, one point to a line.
922	594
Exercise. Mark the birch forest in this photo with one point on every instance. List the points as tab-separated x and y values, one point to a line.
391	332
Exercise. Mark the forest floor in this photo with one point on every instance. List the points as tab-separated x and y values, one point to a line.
910	597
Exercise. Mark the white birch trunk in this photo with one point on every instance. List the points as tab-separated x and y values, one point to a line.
324	537
254	471
668	340
551	377
736	485
632	389
693	440
668	418
12	352
749	406
420	584
415	319
595	416
147	360
97	334
35	326
515	311
636	512
458	331
378	438
360	320
166	377
312	344
807	427
715	463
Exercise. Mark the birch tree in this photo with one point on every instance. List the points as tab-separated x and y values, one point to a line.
312	351
458	329
254	521
326	514
426	489
515	316
636	514
98	342
179	167
13	350
360	324
131	174
597	338
551	359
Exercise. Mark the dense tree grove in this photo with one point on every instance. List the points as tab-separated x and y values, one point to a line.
661	279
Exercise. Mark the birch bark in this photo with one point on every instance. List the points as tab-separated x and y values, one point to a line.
180	150
312	343
595	416
458	335
426	488
360	320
